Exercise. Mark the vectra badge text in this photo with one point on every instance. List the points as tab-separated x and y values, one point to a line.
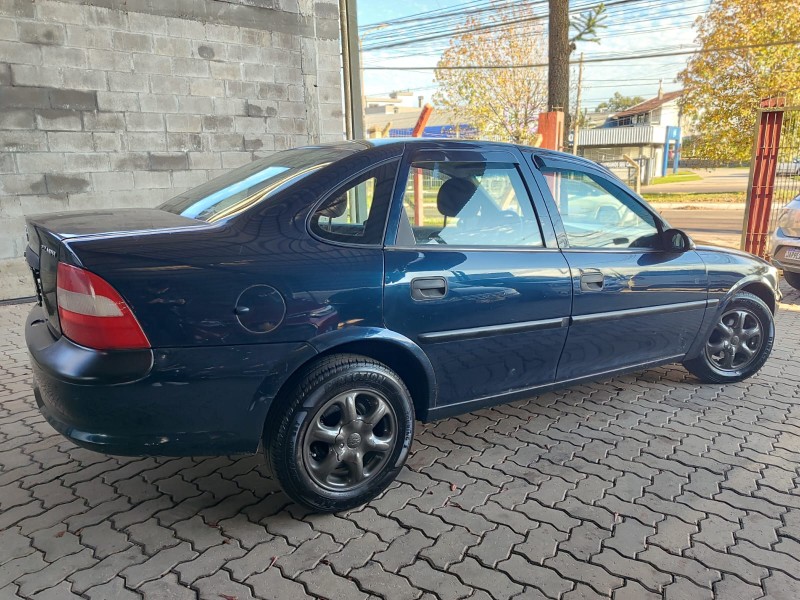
50	251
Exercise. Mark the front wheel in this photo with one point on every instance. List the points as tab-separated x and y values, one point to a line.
793	279
343	435
739	344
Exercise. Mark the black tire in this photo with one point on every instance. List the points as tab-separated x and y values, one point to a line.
731	351
324	475
793	279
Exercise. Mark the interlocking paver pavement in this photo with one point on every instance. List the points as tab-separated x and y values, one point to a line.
641	487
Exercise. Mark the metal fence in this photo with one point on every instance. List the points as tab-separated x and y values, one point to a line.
626	172
787	172
450	133
774	172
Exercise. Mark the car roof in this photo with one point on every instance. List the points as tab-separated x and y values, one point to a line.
447	143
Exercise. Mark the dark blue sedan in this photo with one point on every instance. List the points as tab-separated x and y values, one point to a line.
322	299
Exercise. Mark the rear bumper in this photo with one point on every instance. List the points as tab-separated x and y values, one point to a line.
780	243
199	401
792	268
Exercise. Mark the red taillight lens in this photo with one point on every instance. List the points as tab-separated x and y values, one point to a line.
93	314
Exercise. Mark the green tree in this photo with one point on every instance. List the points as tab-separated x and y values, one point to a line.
618	102
723	86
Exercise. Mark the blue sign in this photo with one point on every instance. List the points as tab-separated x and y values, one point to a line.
438	131
673	137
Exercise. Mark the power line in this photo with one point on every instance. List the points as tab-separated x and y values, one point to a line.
405	41
591	60
463	10
437	46
434	50
412	36
428	19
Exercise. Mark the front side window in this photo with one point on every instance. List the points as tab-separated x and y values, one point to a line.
468	204
356	212
596	216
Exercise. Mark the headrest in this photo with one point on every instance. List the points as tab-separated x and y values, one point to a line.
335	207
454	195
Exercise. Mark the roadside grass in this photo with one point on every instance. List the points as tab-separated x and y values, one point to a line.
678	177
682	197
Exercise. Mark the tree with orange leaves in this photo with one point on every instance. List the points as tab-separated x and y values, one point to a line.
749	51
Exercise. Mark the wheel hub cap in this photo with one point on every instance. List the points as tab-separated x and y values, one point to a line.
736	340
350	439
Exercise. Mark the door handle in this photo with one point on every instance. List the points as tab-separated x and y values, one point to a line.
592	281
428	288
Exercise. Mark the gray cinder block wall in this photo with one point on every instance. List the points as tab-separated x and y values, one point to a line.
121	103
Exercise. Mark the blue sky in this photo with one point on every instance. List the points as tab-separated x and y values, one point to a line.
636	27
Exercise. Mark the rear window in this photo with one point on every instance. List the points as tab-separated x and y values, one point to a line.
231	193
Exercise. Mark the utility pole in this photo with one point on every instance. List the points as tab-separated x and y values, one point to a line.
558	52
351	63
577	127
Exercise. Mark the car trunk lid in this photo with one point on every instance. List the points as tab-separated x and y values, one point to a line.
48	233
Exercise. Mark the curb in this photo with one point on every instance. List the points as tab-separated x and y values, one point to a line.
702	205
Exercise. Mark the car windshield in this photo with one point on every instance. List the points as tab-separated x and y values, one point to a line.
231	193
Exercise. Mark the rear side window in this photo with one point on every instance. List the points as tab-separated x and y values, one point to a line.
356	212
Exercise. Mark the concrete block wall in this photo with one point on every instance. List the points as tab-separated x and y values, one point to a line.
124	103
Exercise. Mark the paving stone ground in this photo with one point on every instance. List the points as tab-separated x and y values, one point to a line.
636	488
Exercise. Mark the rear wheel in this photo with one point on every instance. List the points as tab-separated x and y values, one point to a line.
793	279
343	435
739	344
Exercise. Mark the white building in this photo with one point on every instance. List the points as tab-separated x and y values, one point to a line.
649	133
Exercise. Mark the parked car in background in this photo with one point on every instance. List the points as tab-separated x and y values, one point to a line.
322	299
788	168
785	246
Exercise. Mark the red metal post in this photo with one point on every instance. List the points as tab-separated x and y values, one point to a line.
419	198
551	128
419	208
762	176
424	116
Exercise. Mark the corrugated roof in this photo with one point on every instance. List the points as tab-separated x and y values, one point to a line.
623	136
648	105
408	119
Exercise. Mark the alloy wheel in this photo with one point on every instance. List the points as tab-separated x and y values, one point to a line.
349	440
735	341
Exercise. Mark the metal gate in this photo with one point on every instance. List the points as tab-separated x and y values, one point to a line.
774	172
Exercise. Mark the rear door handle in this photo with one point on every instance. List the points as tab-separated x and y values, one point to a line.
428	288
592	281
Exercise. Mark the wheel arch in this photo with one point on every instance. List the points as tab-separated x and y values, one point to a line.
397	352
761	290
758	284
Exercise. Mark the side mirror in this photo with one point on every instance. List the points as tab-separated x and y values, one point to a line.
675	240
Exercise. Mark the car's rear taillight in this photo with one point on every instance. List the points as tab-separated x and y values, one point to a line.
93	314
